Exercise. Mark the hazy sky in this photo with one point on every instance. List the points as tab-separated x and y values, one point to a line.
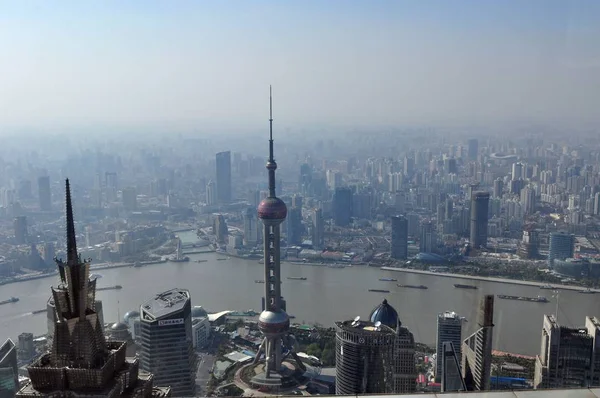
200	63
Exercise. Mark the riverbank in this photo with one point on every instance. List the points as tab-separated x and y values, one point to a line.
487	279
96	267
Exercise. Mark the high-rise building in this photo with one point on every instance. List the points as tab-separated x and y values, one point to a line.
451	378
81	362
498	187
517	171
20	230
254	198
566	356
48	253
399	244
167	343
364	358
477	349
342	206
220	229
449	330
473	148
24	191
448	209
273	322
9	371
428	241
597	204
200	327
211	193
129	198
528	200
479	219
318	229
110	186
26	348
297	201
592	324
294	226
251	229
404	372
223	160
44	193
528	248
562	246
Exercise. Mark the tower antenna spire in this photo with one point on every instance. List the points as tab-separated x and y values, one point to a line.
71	241
271	158
271	164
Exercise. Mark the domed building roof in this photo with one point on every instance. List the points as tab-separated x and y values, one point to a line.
199	312
130	314
272	209
386	314
118	326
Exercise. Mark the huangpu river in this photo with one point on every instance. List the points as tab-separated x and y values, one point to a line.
327	295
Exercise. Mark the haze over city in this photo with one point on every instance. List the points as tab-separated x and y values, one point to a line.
204	65
248	198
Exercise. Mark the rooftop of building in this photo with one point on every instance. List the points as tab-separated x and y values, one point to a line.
167	302
449	315
6	348
364	327
386	314
199	312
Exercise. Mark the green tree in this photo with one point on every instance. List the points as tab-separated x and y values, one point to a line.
314	349
328	357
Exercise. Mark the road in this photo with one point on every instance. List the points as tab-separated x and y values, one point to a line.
205	364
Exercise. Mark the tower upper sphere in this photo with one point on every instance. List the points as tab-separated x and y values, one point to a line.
272	208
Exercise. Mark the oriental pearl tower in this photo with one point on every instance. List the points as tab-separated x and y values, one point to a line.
274	322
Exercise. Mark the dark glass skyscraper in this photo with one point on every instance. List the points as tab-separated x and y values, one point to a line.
294	226
166	341
44	193
342	206
562	246
399	245
223	177
473	148
479	218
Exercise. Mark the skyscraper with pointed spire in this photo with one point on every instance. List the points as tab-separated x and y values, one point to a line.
81	362
274	322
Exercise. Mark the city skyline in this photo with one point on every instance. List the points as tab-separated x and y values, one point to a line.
145	64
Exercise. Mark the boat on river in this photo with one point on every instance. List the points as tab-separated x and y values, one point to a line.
379	290
115	287
461	286
413	286
538	299
587	291
10	300
388	280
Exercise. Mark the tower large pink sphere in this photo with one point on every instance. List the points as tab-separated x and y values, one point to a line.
272	209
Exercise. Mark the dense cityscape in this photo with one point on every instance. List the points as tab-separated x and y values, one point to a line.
341	198
522	212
